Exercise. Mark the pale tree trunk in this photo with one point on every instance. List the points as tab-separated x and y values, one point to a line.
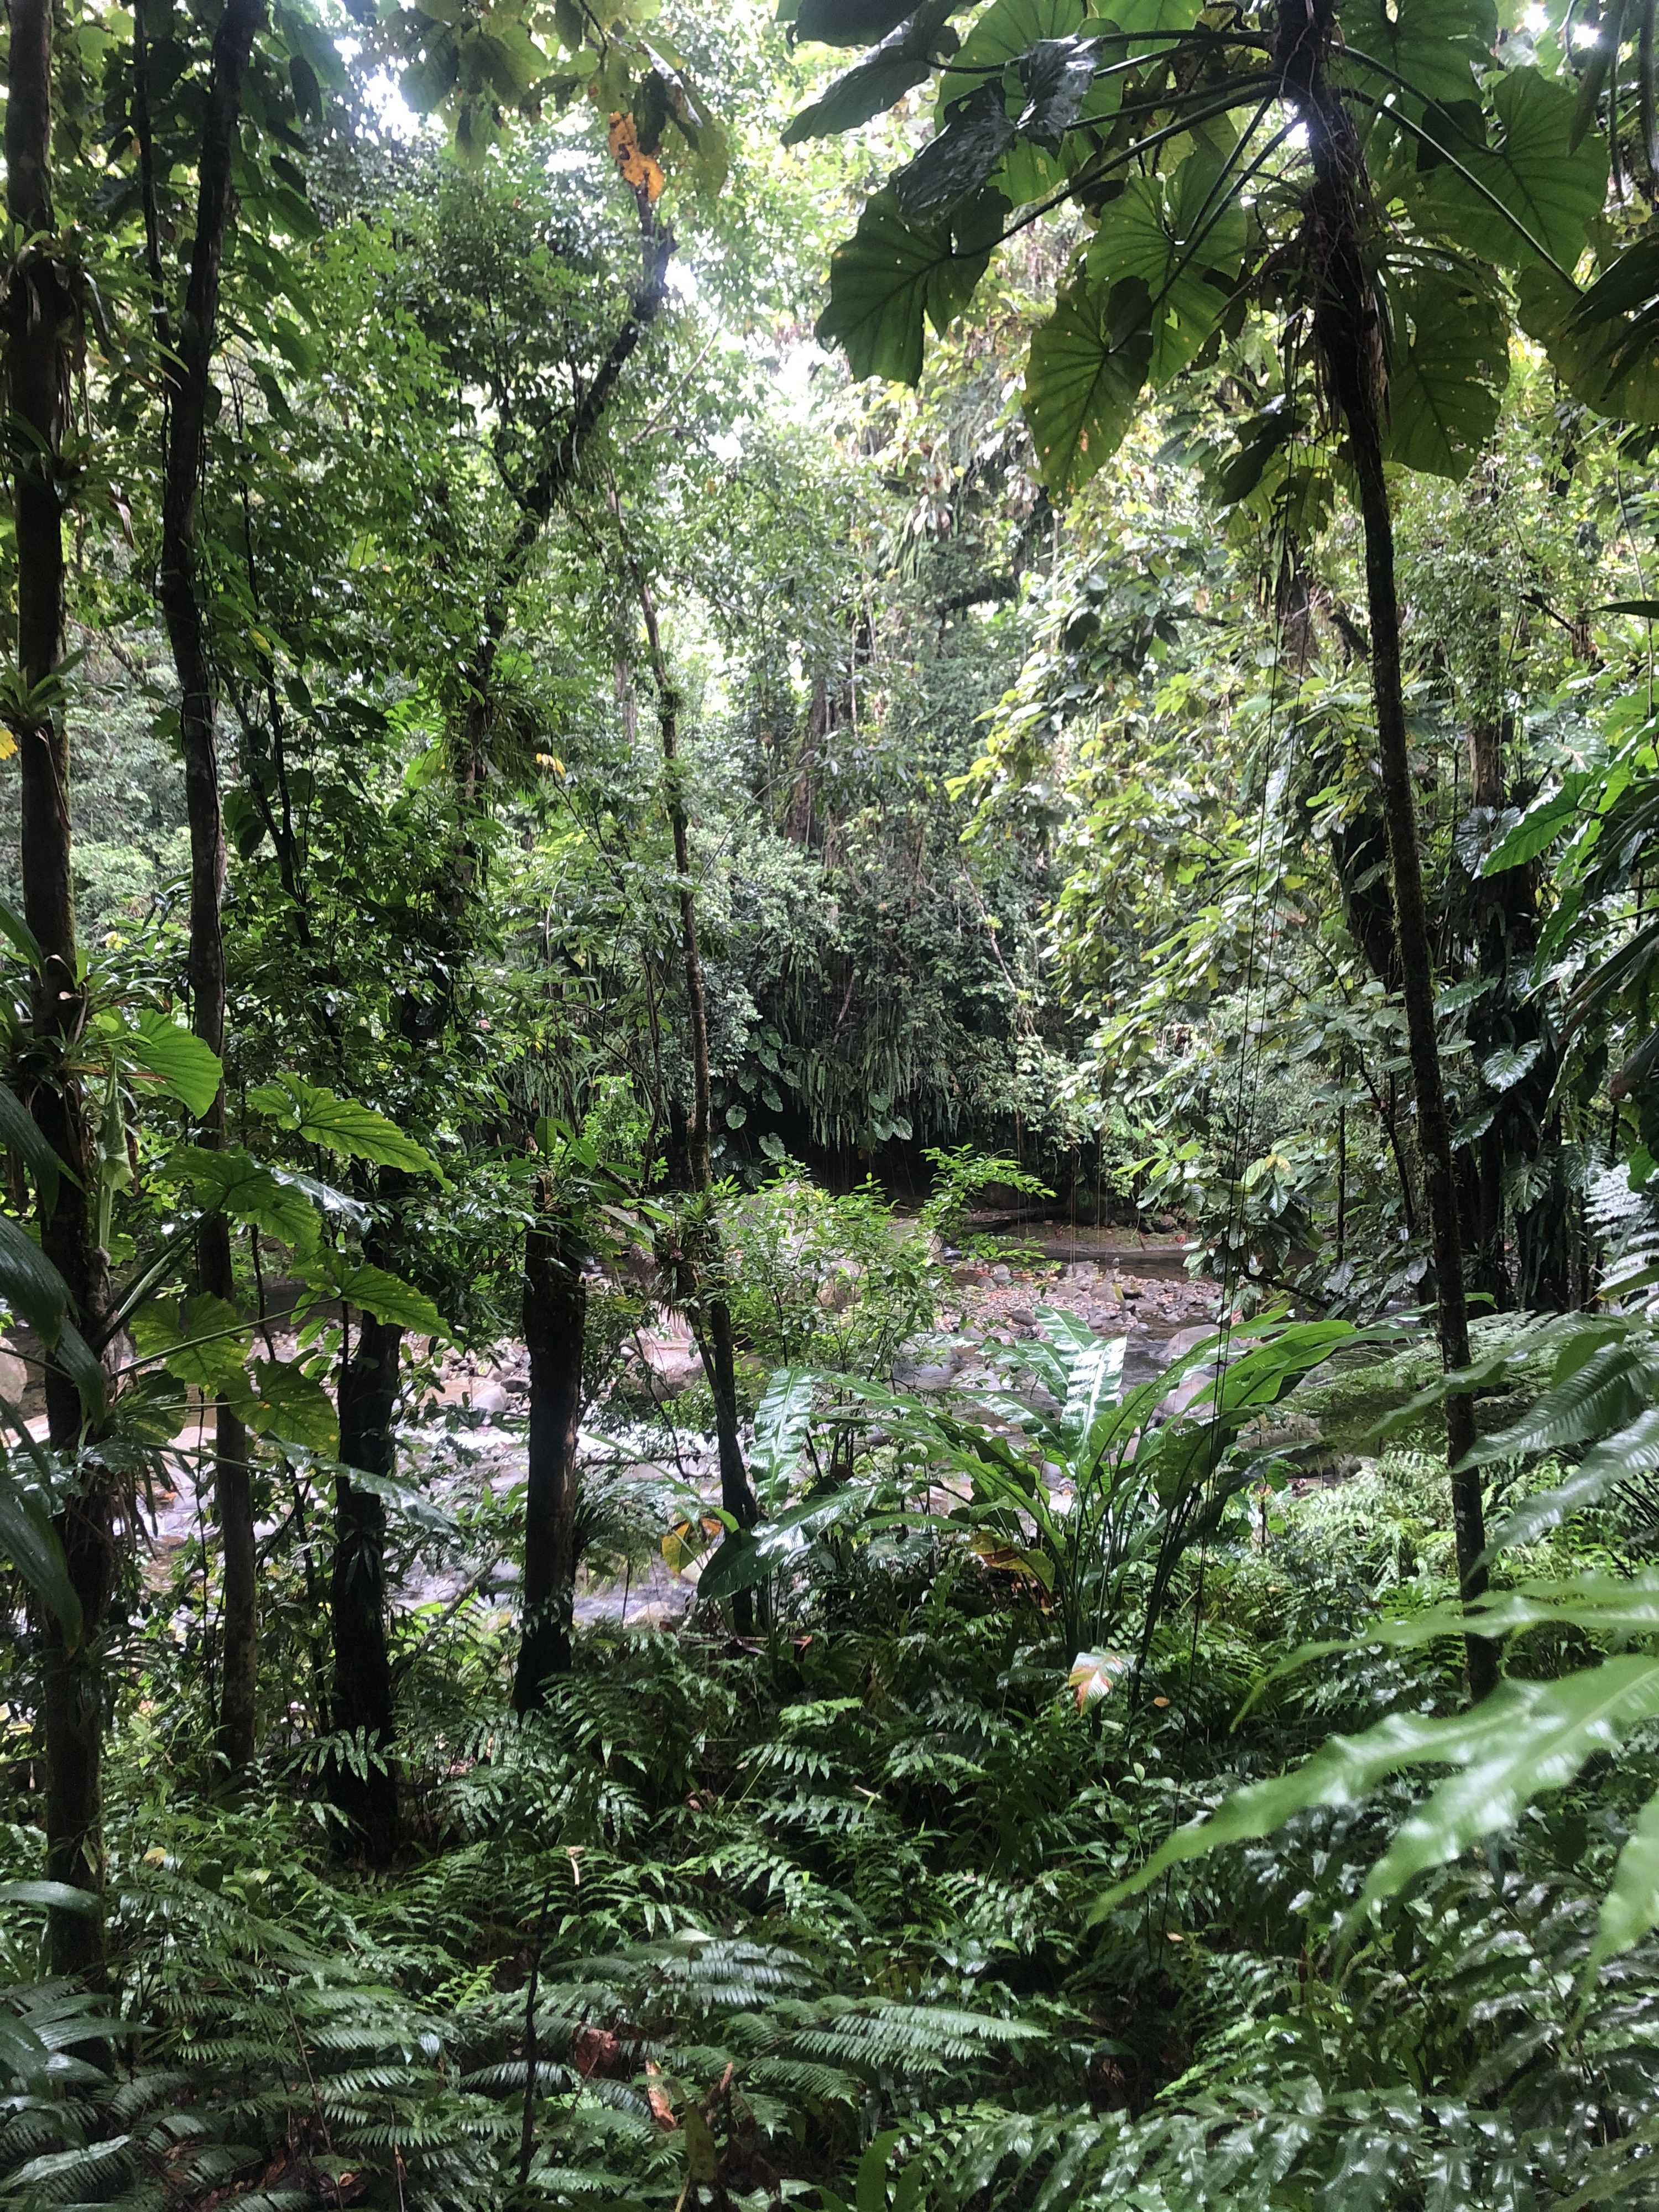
1348	333
181	605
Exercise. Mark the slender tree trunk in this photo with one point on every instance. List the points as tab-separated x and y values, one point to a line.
714	1335
363	1784
554	1324
41	316
1348	333
181	606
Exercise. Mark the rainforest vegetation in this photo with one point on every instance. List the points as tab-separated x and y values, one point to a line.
829	1093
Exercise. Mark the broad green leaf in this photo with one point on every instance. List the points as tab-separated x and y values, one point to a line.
1609	363
340	1124
388	1298
891	278
1172	235
29	1283
958	159
1503	1070
781	1421
1553	190
181	1063
1008	30
1546	819
30	1541
1447	371
1611	1389
902	61
1532	1737
21	1132
204	1344
73	1356
1633	1451
1088	364
59	1896
291	1405
1435	46
233	1183
22	2054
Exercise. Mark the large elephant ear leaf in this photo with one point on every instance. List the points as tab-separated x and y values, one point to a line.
1529	193
1434	45
891	278
1446	372
1088	364
903	60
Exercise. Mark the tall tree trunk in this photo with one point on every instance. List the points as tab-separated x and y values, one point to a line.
555	1325
714	1341
1349	337
41	316
363	1782
181	606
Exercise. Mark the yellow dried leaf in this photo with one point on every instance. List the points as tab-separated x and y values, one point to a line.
638	168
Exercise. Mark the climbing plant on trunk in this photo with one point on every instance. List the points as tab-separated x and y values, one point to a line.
1379	177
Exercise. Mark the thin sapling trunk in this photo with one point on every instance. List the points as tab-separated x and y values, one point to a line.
186	626
1349	336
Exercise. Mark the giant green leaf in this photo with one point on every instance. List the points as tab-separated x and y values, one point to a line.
1434	45
340	1124
1088	364
891	278
1547	192
233	1183
204	1344
286	1403
180	1063
1007	31
1608	360
389	1299
21	1133
1177	236
1447	371
902	61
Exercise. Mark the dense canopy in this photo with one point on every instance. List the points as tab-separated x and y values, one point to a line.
830	1090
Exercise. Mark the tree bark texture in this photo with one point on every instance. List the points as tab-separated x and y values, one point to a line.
41	333
363	1785
1349	337
188	384
555	1327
